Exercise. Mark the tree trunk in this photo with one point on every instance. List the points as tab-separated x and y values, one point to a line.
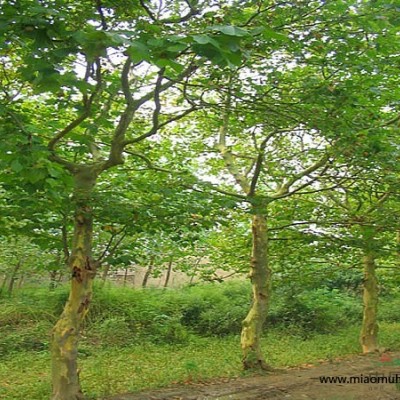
64	239
126	275
369	329
148	272
66	332
195	269
21	281
105	274
3	284
169	270
53	275
13	277
60	276
260	276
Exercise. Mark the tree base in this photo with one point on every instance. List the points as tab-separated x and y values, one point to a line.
370	350
258	365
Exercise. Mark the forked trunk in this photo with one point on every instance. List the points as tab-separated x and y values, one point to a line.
64	347
369	329
260	276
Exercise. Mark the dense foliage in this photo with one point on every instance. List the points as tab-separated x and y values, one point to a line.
150	134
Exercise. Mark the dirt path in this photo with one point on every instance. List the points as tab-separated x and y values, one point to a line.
297	384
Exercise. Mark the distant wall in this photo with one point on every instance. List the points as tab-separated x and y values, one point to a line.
135	275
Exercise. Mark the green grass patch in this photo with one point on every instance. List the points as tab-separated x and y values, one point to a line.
127	369
137	339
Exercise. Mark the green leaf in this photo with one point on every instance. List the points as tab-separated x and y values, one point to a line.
270	34
163	62
229	30
16	166
202	39
116	38
176	48
138	51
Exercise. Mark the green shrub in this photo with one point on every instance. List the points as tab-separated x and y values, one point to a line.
32	336
111	332
216	309
126	316
315	311
388	309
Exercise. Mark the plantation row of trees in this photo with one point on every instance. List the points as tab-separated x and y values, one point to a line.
139	131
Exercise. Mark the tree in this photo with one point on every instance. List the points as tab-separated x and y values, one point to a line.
97	74
366	218
284	115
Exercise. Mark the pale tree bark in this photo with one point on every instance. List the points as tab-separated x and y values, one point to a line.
260	276
65	338
369	329
64	348
104	276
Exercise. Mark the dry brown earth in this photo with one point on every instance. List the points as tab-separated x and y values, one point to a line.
295	384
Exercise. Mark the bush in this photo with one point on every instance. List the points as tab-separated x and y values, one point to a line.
388	309
111	332
216	309
32	336
124	316
319	311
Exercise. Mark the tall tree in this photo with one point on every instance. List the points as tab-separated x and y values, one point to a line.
98	75
299	100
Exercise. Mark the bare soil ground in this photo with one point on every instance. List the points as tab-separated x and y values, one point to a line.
295	383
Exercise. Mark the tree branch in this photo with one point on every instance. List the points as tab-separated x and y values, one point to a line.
380	201
192	12
230	162
148	162
284	189
118	242
102	18
259	162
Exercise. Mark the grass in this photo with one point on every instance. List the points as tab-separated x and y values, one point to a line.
134	340
118	370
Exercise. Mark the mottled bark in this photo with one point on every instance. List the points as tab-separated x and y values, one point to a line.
260	276
65	338
369	329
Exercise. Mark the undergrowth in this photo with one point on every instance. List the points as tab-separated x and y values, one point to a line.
136	339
